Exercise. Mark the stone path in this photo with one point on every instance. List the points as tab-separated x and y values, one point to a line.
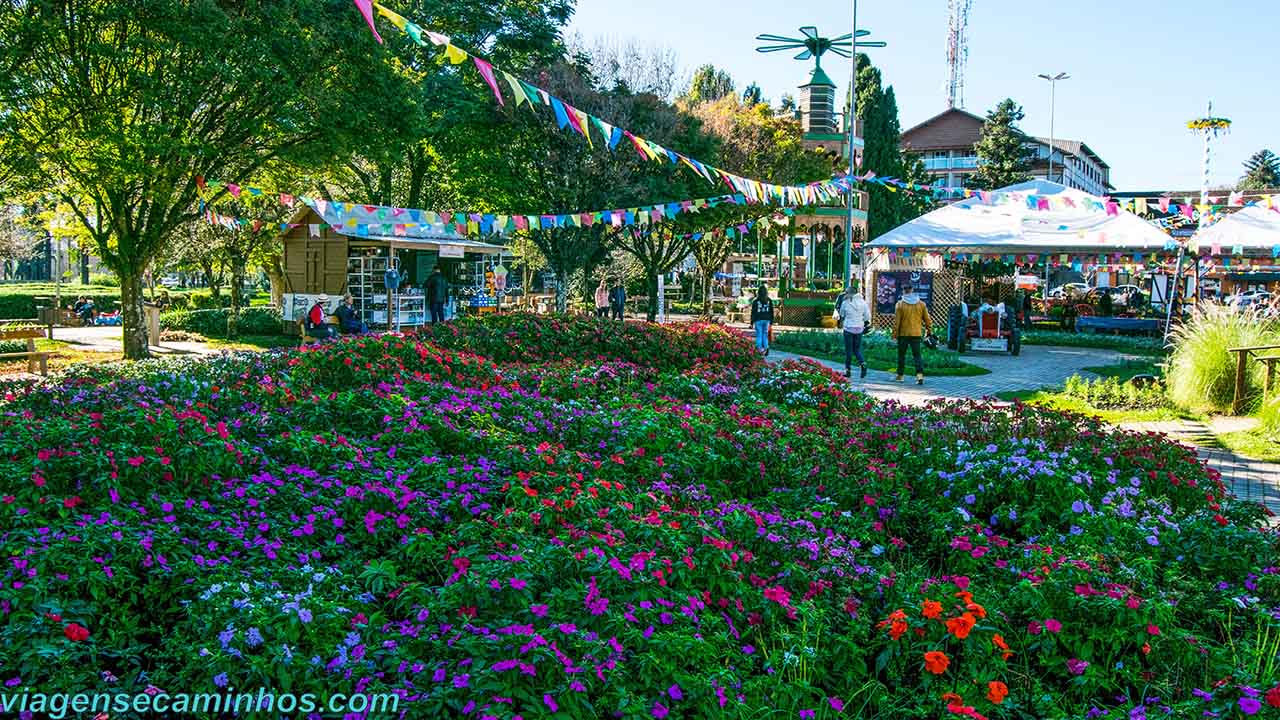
110	339
1037	367
1040	367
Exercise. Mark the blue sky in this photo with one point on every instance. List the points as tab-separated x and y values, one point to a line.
1139	71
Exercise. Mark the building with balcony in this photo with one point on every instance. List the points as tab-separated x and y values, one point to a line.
945	144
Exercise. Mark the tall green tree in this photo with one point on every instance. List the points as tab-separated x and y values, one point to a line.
752	96
882	132
1262	171
1003	155
709	85
118	108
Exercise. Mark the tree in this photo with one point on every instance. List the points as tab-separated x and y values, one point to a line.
1003	156
787	105
118	108
751	96
878	112
1262	171
708	85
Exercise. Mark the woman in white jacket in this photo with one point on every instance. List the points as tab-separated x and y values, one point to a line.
854	316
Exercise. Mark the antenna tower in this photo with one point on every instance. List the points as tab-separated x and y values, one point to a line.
957	50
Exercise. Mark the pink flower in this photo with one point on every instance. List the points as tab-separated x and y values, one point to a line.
1034	627
1153	629
518	584
1077	666
1053	626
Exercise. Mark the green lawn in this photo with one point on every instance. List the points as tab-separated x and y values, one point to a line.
1137	345
1258	444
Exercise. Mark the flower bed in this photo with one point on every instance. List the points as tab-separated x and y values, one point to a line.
613	521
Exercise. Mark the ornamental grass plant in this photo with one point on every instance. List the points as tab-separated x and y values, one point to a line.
1201	372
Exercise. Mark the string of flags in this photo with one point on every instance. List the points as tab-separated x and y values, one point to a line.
376	221
1128	261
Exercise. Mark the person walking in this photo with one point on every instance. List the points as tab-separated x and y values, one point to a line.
437	294
618	299
910	323
854	316
602	300
762	318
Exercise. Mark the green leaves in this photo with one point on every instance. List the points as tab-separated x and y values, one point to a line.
1003	158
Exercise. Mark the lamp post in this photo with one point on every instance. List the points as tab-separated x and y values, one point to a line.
1053	91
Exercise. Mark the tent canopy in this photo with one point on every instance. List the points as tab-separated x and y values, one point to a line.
399	227
1253	228
1004	221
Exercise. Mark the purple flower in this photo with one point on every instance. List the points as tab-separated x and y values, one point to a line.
748	649
675	693
659	711
253	638
550	703
304	615
538	610
1249	706
836	704
1077	666
220	680
808	714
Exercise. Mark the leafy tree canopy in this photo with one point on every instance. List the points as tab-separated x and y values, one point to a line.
1262	171
1003	156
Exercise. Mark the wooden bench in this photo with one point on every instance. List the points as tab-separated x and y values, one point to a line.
33	358
307	339
1242	360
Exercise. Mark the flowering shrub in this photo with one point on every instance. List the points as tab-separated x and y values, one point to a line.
545	518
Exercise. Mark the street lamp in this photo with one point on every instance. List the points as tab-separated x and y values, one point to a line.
1053	87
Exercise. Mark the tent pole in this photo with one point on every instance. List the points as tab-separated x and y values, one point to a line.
1172	293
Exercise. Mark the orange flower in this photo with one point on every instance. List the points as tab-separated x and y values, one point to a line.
977	609
936	662
952	699
998	641
931	609
896	629
997	691
960	626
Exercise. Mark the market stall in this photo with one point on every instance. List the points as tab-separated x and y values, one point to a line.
383	256
1242	251
1037	227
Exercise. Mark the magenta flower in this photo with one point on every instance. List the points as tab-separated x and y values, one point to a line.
1249	706
1053	626
659	710
675	692
1077	666
836	704
808	714
550	703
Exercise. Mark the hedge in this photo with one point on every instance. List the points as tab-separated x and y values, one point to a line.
213	323
18	301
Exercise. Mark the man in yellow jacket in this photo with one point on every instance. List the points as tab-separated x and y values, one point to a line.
910	323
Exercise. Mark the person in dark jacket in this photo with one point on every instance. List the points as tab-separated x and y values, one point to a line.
348	323
762	318
437	294
617	299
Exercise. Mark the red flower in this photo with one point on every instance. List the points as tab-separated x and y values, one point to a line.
936	662
76	633
1273	697
960	626
72	501
997	691
931	609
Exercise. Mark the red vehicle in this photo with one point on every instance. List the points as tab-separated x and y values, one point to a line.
987	331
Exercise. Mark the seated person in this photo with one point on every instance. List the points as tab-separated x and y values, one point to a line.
84	309
317	319
348	323
987	307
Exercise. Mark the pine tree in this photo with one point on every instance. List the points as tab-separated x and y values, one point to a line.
708	85
878	111
1003	156
1263	171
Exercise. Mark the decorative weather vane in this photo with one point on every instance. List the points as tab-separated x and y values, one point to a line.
815	46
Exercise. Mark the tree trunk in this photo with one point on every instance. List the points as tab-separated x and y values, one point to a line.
237	296
562	291
276	273
135	327
706	294
651	281
210	277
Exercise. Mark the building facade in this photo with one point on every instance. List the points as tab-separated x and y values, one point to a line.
945	144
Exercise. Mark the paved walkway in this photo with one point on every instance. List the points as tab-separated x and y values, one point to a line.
97	338
1037	367
1040	367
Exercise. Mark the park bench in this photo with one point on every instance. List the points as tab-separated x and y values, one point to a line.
302	329
31	355
1242	361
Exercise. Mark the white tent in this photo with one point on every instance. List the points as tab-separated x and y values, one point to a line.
1254	229
1029	218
